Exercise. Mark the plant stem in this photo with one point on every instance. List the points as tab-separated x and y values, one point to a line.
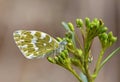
96	70
79	42
87	73
87	45
75	74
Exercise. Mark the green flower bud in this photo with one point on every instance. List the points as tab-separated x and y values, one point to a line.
70	45
87	22
103	29
91	25
104	39
71	27
60	59
59	39
62	54
66	53
104	36
79	52
110	35
79	22
114	39
69	35
56	59
96	20
68	40
96	23
51	60
75	61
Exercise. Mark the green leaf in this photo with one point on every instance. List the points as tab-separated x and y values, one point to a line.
65	25
109	57
83	77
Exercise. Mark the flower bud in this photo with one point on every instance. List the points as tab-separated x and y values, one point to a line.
68	40
75	61
87	22
104	36
96	23
114	39
62	54
70	44
71	27
51	60
69	35
60	59
91	25
96	20
66	53
110	35
103	29
79	52
56	59
104	39
59	39
79	22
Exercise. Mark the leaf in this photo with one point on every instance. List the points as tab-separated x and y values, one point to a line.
66	26
83	77
109	57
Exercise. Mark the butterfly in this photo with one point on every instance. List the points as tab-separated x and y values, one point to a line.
37	44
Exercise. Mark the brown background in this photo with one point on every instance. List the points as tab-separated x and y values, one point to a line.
46	15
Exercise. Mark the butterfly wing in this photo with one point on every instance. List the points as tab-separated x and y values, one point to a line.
34	44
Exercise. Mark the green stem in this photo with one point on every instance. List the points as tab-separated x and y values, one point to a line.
87	73
96	70
87	49
79	42
69	68
86	63
74	73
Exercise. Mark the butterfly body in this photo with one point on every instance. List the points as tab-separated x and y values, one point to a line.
36	44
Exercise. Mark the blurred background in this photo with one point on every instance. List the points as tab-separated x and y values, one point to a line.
46	15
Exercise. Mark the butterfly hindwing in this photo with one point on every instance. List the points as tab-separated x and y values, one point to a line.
34	44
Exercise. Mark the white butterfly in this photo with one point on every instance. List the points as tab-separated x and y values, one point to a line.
36	44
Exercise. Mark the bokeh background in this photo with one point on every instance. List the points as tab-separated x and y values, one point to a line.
46	15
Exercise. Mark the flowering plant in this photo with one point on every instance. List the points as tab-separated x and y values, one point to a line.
77	53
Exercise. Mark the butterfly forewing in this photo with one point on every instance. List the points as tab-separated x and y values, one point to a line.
34	44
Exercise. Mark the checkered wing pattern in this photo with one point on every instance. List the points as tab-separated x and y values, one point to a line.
35	44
